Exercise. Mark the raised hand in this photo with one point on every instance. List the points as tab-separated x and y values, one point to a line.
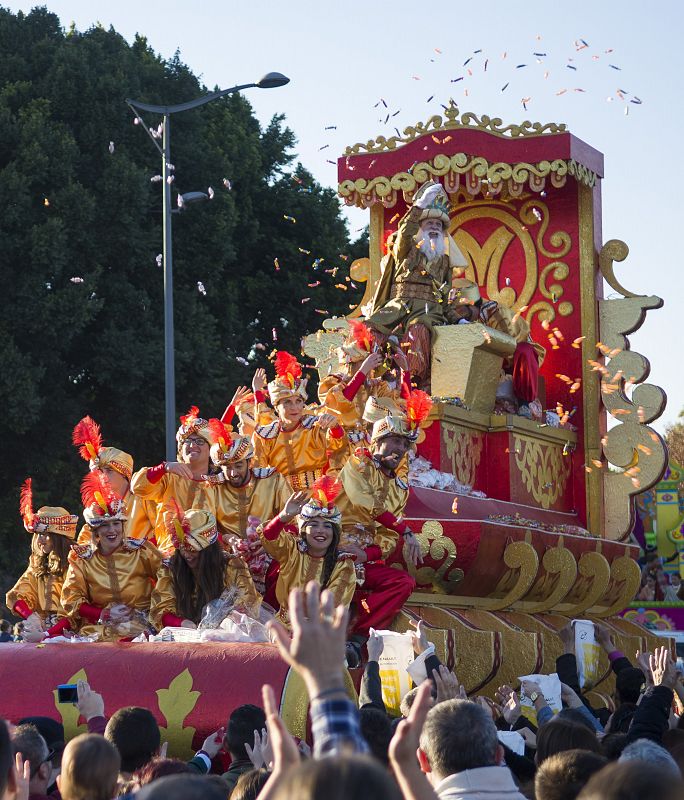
663	668
213	744
448	687
371	362
240	394
295	503
375	645
284	751
90	704
259	380
317	647
510	703
419	638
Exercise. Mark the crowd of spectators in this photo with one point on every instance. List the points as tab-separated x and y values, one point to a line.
445	745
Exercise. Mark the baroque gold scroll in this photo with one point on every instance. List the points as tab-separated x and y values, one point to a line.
632	446
464	448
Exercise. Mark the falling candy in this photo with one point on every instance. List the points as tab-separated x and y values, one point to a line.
159	260
210	192
227	184
111	147
289	218
76	280
200	288
454	506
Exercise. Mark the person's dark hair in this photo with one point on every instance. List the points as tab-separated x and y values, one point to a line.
159	767
240	729
6	756
54	563
194	590
182	787
612	745
249	784
337	778
5	626
331	554
560	735
628	683
562	777
135	734
53	733
634	780
622	718
575	715
26	739
459	735
376	729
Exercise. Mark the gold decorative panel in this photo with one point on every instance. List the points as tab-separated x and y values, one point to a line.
632	446
543	469
464	448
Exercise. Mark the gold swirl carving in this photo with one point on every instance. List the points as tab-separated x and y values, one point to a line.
451	121
522	562
485	262
558	577
625	579
464	448
581	173
594	574
440	548
384	187
543	469
632	446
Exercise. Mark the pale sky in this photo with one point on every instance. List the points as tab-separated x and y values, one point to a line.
342	58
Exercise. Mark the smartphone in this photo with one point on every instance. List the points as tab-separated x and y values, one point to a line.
67	693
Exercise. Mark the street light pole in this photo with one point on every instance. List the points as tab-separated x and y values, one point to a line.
270	81
169	352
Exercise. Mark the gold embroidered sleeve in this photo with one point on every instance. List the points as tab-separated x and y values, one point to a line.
281	547
150	491
163	600
408	228
357	478
26	589
262	450
342	582
75	589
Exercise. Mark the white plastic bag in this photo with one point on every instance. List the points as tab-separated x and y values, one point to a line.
587	652
550	686
396	655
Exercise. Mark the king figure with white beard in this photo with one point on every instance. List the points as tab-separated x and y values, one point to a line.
413	293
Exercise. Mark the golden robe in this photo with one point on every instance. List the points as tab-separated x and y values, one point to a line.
366	493
248	600
297	568
301	455
123	577
41	593
188	494
263	496
411	288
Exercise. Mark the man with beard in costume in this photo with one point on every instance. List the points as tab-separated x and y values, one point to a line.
413	291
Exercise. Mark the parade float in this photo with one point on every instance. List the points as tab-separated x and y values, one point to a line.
538	531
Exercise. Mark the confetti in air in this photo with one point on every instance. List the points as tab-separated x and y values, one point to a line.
201	289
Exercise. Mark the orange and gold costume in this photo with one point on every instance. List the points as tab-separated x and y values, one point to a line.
297	568
163	608
263	495
301	454
41	593
155	485
95	581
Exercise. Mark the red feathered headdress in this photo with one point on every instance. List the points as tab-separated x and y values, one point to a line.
177	526
287	367
26	504
87	437
418	405
220	433
192	423
322	502
360	334
100	502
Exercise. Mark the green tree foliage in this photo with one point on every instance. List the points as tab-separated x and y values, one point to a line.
73	210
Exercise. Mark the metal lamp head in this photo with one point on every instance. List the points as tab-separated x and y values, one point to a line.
272	80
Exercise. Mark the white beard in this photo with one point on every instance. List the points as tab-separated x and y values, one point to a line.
431	248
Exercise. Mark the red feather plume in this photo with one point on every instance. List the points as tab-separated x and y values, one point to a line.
418	405
325	489
26	502
95	488
287	366
219	432
86	436
360	334
191	416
